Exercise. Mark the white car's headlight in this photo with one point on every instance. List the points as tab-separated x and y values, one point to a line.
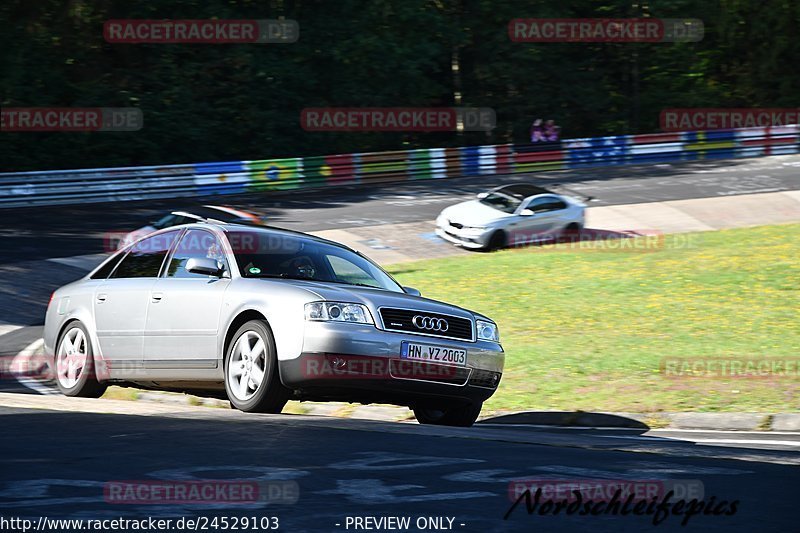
338	312
487	331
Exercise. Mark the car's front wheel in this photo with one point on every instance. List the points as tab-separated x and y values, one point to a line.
252	381
463	416
74	362
497	241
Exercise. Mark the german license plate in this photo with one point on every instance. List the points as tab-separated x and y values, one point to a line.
433	353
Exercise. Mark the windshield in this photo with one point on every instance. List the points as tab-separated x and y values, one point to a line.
501	201
268	255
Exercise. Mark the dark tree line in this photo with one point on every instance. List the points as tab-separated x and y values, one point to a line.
227	102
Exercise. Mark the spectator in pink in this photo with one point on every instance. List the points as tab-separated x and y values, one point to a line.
537	131
551	131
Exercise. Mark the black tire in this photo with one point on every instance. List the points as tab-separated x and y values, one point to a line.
571	233
86	385
463	416
270	396
497	241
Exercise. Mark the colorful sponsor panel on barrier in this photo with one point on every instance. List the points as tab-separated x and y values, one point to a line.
419	164
277	174
128	183
539	156
343	169
780	140
221	178
382	166
710	145
656	148
596	151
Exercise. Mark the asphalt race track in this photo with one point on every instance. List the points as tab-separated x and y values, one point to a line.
59	455
58	463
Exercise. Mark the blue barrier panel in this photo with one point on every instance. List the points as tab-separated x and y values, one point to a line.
596	151
470	161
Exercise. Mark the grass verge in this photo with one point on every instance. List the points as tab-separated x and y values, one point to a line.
590	329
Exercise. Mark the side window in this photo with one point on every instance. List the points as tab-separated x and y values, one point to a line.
548	203
537	204
108	267
145	257
199	244
348	272
553	204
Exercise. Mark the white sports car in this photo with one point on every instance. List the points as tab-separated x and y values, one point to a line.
511	215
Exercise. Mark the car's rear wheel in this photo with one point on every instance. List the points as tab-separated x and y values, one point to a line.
463	416
252	381
74	364
497	241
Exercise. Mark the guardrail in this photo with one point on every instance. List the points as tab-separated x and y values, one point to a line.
235	177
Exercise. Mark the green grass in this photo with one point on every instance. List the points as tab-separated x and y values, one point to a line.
588	329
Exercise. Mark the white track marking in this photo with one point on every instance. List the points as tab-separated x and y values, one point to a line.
21	361
83	262
7	328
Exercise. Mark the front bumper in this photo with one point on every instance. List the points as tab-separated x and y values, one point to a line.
354	362
461	238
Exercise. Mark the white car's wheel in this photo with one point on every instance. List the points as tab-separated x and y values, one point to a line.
251	374
74	364
497	241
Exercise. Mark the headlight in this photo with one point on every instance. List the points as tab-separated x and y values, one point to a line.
487	331
475	230
338	312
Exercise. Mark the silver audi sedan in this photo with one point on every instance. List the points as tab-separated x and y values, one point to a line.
264	315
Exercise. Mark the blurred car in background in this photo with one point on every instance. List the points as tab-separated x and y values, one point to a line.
510	215
219	213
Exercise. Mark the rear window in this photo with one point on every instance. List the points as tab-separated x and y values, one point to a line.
146	256
108	267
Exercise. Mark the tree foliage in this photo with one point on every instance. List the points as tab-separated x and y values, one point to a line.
205	102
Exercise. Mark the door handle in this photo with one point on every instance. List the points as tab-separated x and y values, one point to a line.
156	297
101	298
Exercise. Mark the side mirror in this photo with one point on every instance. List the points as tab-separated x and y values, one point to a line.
482	195
412	291
526	213
205	266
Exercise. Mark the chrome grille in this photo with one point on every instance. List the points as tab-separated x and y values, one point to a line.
403	320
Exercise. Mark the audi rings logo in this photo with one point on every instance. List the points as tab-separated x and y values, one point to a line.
430	323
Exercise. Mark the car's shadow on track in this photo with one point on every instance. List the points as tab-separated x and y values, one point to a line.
582	419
